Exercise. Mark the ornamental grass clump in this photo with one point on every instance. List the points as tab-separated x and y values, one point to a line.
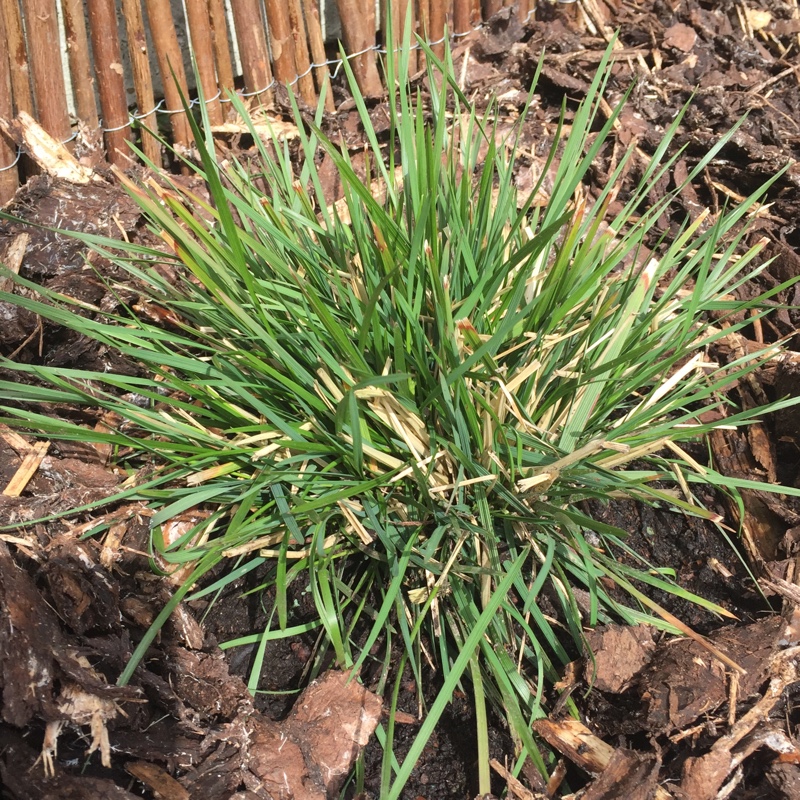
400	401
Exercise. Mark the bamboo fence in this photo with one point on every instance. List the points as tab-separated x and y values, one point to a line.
249	46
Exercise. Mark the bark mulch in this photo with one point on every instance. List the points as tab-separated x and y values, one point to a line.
666	717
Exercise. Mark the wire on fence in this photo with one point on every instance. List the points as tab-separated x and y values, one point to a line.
159	109
135	116
14	162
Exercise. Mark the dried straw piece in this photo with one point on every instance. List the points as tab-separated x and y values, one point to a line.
142	77
252	41
170	65
48	83
358	32
110	81
317	45
199	28
80	65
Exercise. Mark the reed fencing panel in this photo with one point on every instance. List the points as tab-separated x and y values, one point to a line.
118	67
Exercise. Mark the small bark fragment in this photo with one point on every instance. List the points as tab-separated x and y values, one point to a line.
619	652
51	156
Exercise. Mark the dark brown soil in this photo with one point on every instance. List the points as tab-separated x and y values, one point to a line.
73	608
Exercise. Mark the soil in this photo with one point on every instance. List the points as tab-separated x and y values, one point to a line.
666	717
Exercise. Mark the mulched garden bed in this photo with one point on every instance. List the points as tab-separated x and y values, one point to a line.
665	719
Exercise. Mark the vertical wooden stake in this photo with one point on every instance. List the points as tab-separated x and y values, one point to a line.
110	81
523	9
219	37
438	14
305	80
253	48
199	28
423	16
359	37
17	57
475	13
281	41
399	16
9	175
423	28
388	6
404	7
491	7
462	16
44	55
170	65
317	45
368	22
142	78
80	65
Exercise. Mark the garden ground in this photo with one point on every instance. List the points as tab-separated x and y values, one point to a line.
665	718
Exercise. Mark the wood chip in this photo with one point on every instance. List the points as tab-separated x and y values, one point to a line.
163	784
50	155
27	469
12	259
14	440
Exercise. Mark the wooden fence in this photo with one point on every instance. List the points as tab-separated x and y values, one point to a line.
108	43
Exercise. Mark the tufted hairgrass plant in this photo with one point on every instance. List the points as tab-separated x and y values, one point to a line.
403	400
